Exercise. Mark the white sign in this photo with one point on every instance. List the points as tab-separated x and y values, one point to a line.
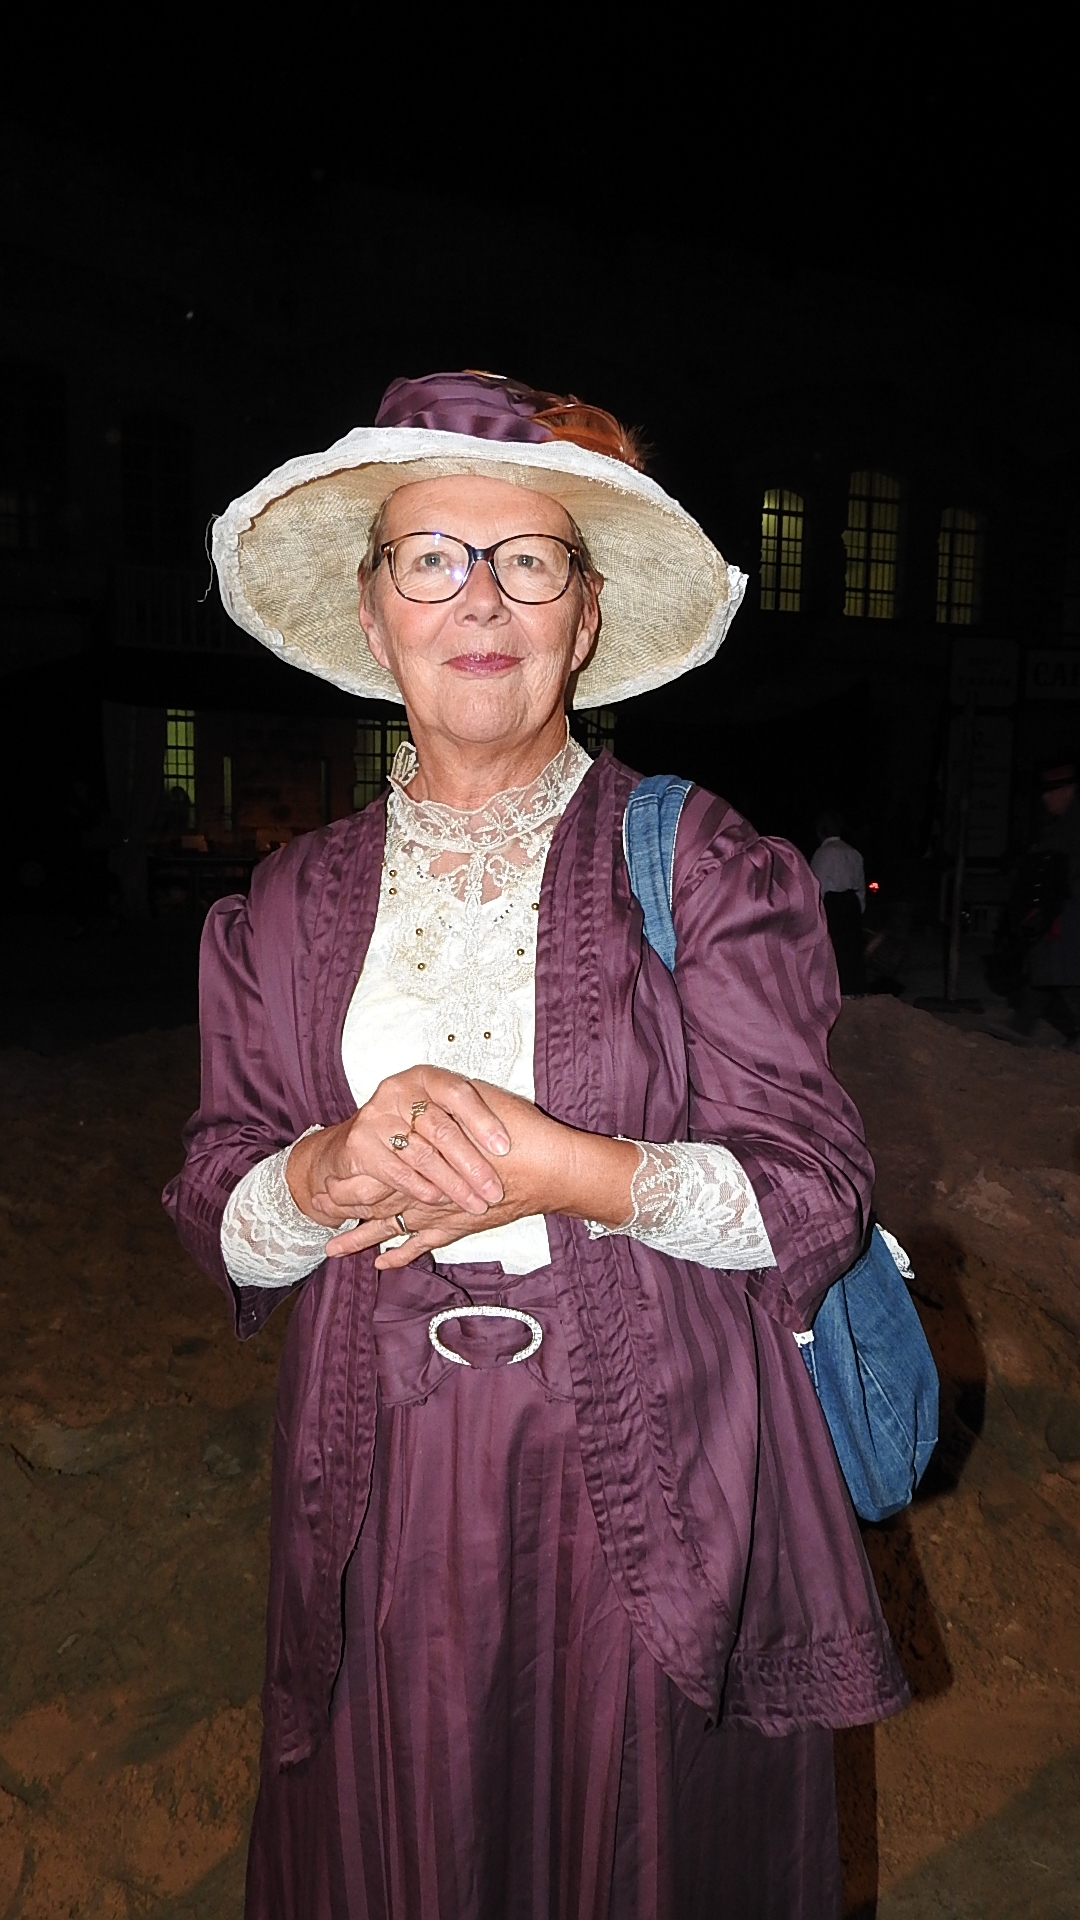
988	787
1053	675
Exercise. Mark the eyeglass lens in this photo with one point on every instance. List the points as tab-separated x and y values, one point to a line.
530	567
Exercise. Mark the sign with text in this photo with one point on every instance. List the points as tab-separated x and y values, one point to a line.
988	787
983	671
1053	674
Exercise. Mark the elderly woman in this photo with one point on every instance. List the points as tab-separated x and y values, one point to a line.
570	1641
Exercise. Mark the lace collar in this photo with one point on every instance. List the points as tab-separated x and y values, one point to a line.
518	814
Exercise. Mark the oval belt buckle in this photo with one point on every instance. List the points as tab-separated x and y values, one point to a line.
484	1313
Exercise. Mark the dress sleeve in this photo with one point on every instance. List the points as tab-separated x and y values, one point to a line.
265	1239
759	993
693	1200
243	1115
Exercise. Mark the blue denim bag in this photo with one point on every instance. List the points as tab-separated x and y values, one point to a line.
867	1355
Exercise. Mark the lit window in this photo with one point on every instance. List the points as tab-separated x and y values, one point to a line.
959	568
594	728
180	751
872	539
781	551
377	741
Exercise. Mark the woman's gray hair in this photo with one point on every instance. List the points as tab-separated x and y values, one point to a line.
377	536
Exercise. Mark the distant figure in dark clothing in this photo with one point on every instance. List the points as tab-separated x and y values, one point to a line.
841	877
1053	965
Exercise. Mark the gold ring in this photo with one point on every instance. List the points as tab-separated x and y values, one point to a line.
398	1141
418	1107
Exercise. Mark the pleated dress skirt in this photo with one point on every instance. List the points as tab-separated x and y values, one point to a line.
501	1746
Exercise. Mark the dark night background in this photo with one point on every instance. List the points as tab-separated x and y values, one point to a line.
787	258
791	249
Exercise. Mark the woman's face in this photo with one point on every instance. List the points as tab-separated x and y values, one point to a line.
479	667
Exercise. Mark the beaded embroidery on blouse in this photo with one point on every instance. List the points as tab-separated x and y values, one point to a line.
461	896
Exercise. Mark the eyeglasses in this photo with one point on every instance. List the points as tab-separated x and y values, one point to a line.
531	568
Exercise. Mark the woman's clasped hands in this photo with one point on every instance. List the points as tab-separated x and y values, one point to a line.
474	1157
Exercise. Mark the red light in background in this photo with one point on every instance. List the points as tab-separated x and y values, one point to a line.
873	886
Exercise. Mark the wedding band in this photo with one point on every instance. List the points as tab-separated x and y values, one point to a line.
418	1107
401	1223
398	1141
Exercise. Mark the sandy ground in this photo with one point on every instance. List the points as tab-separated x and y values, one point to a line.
977	1146
134	1495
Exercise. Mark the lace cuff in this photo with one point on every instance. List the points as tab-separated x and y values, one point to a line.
265	1239
694	1201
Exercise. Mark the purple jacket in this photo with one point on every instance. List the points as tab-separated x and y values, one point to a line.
723	1516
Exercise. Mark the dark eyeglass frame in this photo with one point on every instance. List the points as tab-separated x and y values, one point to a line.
479	553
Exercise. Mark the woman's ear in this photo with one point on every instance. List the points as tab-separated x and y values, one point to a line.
589	623
369	623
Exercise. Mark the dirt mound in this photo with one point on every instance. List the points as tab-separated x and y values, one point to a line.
135	1479
977	1147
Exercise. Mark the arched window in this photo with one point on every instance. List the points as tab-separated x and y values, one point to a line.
781	551
959	568
872	539
179	769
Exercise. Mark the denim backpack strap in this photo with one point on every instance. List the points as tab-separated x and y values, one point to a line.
650	824
867	1356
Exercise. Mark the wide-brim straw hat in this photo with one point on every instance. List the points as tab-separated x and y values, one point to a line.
287	552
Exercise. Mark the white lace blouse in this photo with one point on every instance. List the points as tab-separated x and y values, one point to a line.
449	979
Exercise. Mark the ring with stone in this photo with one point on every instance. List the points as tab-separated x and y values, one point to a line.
399	1141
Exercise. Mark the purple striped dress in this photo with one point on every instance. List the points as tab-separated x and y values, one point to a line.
566	1638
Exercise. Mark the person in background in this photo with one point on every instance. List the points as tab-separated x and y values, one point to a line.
841	877
1053	963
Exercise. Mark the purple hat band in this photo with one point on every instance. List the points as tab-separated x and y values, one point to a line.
487	408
